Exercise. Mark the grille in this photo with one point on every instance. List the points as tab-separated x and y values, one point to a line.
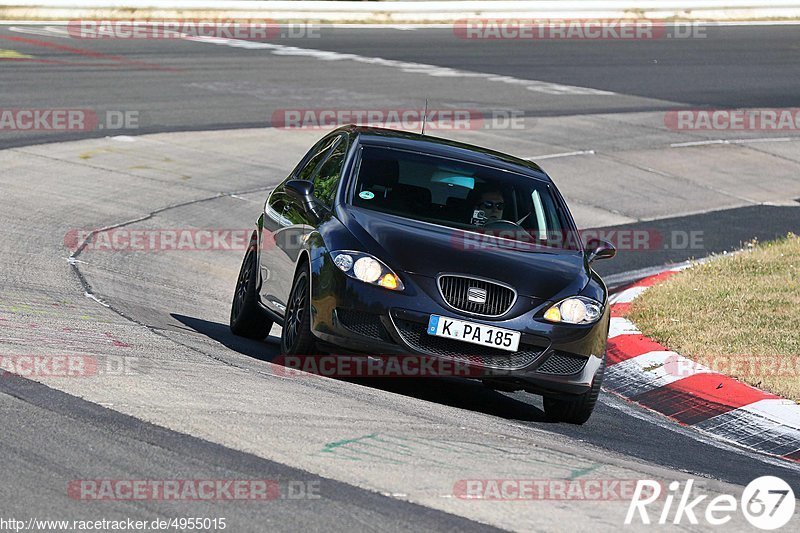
415	334
562	363
366	324
465	293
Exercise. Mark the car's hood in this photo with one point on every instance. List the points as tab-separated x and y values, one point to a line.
429	249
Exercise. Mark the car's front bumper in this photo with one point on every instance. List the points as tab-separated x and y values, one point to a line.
353	317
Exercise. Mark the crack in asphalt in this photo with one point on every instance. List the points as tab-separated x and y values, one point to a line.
87	287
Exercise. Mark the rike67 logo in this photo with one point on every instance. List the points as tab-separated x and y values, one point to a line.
767	503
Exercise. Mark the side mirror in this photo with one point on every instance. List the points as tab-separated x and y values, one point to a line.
302	192
599	249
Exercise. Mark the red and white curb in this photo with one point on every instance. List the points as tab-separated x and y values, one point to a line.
642	371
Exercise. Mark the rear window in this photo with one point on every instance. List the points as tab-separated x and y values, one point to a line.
459	195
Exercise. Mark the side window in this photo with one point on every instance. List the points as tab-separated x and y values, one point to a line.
275	208
327	178
307	171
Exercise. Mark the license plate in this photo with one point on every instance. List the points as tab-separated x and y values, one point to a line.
502	339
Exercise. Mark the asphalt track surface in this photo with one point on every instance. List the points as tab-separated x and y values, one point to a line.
177	85
52	437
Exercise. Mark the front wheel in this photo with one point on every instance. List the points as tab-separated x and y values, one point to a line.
247	318
575	410
296	338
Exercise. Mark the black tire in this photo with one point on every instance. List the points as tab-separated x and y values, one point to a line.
296	338
247	317
575	410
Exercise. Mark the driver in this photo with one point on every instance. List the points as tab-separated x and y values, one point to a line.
488	208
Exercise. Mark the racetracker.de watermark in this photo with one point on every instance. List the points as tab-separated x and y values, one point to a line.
627	240
773	119
545	489
242	29
403	119
192	489
159	240
378	366
71	366
576	29
67	120
754	366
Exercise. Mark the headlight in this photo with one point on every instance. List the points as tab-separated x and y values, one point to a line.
576	310
366	268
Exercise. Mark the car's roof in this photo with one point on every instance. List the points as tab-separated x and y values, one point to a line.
444	147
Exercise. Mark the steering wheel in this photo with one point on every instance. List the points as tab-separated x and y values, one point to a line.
503	224
517	232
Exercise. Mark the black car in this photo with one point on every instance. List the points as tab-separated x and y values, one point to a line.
388	242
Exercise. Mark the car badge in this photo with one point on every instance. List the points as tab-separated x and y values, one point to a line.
476	295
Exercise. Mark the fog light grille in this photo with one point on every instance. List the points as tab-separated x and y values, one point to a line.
366	324
562	364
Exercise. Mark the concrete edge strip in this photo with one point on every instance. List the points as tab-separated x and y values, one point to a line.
643	371
412	11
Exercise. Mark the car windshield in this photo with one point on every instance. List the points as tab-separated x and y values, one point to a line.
467	196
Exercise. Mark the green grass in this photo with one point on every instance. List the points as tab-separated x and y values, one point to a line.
739	314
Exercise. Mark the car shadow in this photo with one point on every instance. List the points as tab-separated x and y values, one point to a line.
461	393
265	350
464	394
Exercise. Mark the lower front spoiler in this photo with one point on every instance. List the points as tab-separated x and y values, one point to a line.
547	372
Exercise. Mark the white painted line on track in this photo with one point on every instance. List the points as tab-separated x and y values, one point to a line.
561	154
734	141
406	66
46	31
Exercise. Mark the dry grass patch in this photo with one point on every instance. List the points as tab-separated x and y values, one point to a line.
738	314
